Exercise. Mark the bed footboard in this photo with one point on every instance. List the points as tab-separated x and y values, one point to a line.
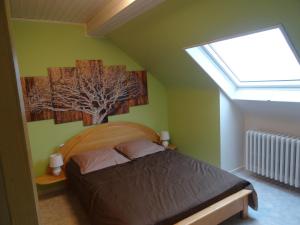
221	210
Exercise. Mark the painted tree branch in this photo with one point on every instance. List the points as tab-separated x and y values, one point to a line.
95	95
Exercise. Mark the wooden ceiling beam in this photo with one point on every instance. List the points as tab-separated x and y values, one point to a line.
116	13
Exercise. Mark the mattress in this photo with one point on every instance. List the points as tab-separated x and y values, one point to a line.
162	188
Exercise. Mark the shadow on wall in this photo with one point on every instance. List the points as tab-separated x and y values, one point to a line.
4	218
231	134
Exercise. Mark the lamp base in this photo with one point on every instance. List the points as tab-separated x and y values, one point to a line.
56	171
165	143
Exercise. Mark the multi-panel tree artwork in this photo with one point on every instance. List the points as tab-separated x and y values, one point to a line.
89	92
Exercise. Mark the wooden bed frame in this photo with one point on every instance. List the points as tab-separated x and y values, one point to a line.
113	133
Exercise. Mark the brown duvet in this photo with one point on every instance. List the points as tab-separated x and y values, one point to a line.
162	188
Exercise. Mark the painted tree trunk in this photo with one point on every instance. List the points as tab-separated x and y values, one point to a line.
98	117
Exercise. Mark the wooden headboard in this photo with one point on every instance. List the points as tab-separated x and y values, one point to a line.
106	135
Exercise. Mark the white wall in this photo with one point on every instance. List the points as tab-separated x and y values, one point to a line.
232	134
272	116
238	116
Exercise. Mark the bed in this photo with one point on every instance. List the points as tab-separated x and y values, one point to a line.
162	188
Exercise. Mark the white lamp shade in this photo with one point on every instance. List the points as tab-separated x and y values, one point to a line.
56	160
164	135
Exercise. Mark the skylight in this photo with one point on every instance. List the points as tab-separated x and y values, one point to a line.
264	59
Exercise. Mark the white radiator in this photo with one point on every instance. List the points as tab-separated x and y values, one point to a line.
274	156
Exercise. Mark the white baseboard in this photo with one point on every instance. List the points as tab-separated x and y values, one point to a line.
237	169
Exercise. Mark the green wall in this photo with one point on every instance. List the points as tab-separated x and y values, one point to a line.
42	45
195	122
157	40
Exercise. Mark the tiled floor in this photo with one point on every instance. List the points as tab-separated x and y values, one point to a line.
62	209
278	205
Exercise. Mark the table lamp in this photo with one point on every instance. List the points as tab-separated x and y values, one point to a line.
165	137
56	161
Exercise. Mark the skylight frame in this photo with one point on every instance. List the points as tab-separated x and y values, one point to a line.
218	62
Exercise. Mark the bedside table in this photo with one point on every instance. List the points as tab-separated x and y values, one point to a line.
50	179
172	147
